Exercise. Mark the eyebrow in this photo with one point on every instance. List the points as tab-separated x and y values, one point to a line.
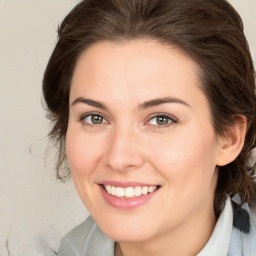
145	105
90	102
159	101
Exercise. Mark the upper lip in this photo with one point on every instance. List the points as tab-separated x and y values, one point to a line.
126	184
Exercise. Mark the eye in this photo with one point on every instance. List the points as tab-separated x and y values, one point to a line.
94	119
161	120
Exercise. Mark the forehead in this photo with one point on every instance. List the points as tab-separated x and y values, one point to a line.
130	61
135	71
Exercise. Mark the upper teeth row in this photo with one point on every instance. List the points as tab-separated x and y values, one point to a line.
130	191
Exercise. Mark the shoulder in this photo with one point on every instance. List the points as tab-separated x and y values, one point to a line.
81	231
85	240
76	238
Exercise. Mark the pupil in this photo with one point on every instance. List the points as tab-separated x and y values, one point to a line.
162	120
96	119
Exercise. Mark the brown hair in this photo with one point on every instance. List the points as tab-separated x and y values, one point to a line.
209	31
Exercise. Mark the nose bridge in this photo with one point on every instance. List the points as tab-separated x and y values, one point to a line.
124	151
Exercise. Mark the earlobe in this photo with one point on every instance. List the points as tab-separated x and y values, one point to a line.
232	143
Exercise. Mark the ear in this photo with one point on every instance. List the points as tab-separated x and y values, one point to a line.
232	143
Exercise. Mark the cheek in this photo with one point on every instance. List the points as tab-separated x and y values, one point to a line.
186	161
82	152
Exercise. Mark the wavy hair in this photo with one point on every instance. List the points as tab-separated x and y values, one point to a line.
208	31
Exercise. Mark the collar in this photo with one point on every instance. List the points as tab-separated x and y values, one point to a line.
219	241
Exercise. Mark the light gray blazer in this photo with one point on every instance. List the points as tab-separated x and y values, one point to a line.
233	235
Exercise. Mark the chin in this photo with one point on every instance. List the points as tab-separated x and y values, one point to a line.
127	232
124	236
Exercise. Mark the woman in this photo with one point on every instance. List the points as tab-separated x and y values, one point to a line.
153	107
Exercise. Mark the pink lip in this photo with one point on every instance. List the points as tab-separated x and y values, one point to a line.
126	203
125	184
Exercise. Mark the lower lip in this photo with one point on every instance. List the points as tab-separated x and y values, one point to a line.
126	203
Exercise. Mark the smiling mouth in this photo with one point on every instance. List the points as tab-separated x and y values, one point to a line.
129	192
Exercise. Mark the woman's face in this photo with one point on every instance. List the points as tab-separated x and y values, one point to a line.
140	127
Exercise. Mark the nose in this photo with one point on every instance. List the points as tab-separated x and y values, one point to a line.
124	150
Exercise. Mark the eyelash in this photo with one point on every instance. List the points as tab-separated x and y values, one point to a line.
84	116
171	120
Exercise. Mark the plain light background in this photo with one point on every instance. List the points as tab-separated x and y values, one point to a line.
32	202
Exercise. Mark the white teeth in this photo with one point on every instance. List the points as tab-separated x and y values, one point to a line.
113	191
119	192
130	191
151	189
108	188
144	190
137	191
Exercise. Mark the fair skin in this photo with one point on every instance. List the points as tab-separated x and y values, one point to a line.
118	133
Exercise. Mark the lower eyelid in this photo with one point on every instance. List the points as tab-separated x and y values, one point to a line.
84	116
171	119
